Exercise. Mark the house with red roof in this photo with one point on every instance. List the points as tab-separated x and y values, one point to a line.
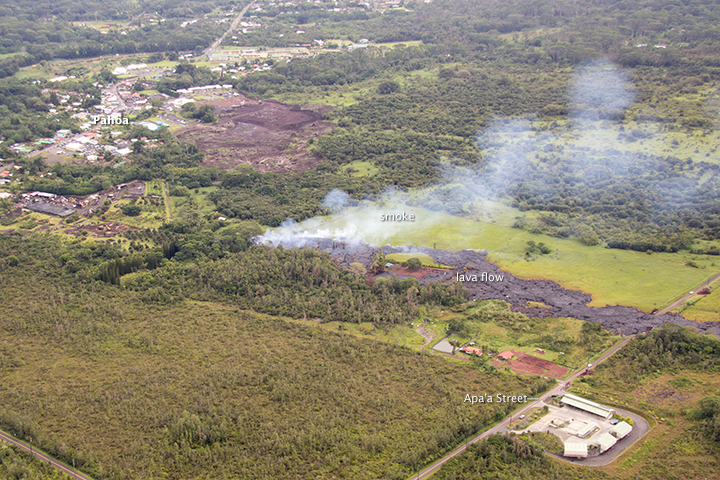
506	355
472	351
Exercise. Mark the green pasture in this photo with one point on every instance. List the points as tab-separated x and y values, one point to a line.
360	169
703	308
411	43
531	334
150	217
426	260
336	95
612	277
404	335
634	135
3	56
34	71
197	202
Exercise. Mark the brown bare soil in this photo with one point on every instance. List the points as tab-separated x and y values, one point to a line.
519	367
108	230
525	363
419	273
267	135
537	362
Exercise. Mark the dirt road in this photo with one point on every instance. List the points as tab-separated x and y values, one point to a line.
428	336
6	437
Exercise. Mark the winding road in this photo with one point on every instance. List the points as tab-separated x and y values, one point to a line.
71	472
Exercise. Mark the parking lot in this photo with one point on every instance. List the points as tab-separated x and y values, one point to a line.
567	422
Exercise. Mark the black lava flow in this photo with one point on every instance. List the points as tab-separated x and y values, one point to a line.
560	301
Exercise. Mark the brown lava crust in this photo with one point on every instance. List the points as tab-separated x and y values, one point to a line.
265	134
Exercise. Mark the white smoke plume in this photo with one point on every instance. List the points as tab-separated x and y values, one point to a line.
336	200
511	148
599	90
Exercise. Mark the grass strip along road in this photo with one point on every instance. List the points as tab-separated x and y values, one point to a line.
6	437
503	425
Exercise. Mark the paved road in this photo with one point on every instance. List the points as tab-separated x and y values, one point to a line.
233	26
121	103
502	427
679	302
6	437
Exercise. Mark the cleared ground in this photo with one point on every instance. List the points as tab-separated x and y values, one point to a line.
267	135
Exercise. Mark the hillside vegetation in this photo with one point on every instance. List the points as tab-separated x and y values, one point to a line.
93	373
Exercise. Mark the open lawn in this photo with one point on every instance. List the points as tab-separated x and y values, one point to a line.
196	202
360	169
703	308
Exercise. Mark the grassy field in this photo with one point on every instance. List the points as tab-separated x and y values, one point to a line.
426	260
403	335
560	339
335	96
34	71
703	308
197	202
360	169
634	135
150	217
611	276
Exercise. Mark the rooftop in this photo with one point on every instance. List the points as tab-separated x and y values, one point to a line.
587	405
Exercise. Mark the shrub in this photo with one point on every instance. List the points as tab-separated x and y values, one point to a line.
131	210
413	263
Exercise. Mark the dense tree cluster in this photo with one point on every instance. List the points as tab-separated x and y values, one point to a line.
508	456
24	109
271	198
667	348
49	39
299	283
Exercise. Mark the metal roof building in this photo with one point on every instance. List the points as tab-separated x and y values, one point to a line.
576	450
606	441
43	207
587	430
621	430
587	405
